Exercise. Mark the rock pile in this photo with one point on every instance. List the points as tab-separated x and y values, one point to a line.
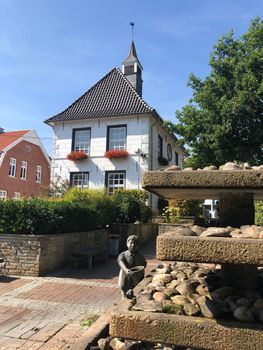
229	166
244	232
110	343
193	290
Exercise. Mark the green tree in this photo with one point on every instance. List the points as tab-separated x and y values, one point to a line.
224	119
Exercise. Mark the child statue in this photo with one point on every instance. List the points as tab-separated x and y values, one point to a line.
128	260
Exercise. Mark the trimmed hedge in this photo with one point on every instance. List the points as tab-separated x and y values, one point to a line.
36	216
79	210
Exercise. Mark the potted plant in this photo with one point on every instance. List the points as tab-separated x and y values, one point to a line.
116	153
77	155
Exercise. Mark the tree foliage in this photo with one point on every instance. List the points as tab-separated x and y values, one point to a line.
224	119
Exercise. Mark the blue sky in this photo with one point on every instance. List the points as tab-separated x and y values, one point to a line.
52	51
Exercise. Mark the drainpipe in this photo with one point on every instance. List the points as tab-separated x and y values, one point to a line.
151	158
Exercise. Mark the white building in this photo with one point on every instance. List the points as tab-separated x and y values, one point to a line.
112	115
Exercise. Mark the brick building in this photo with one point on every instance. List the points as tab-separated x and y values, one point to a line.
24	164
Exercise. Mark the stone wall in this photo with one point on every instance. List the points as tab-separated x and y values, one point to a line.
27	255
143	231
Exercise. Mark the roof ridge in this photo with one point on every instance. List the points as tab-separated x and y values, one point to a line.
13	131
100	100
133	89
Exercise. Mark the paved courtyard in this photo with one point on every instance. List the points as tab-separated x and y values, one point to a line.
48	312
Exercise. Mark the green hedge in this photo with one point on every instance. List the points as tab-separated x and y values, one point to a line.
79	210
36	216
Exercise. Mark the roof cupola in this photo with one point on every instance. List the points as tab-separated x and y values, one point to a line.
132	69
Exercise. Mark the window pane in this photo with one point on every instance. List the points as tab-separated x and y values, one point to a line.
80	180
12	167
117	138
82	140
3	195
115	182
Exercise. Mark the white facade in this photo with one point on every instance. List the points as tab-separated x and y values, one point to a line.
141	144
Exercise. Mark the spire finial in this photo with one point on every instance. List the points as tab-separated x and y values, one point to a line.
132	26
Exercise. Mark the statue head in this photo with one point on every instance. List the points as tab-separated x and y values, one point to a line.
132	243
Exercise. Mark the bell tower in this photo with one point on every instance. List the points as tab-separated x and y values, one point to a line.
132	69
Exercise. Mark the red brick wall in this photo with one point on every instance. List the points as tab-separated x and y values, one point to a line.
34	157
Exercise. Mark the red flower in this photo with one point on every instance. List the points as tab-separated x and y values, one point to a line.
77	155
116	153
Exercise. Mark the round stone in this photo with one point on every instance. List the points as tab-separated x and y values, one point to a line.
159	296
215	232
243	314
180	300
211	308
185	288
173	168
198	229
231	166
191	309
162	277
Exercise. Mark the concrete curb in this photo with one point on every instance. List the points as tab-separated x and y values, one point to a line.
98	330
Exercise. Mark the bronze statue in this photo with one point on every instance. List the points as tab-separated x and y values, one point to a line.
132	265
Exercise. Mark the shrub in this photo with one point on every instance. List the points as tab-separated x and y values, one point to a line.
259	213
181	208
96	200
38	216
131	206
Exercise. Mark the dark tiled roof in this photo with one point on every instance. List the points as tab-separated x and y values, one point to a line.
112	96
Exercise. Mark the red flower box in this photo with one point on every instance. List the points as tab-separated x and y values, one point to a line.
77	155
116	153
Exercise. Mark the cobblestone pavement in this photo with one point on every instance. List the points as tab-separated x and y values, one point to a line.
48	312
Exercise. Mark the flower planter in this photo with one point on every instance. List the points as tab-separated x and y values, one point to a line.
116	154
77	155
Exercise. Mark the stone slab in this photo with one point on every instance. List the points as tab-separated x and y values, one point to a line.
203	184
185	331
210	250
196	332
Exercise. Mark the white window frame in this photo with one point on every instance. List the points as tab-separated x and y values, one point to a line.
12	167
81	140
117	137
23	173
39	173
16	195
79	179
3	195
115	180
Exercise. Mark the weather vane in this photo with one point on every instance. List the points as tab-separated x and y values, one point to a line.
132	25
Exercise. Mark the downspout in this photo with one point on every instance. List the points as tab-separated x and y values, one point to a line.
151	158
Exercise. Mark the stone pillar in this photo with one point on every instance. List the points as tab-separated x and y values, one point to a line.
236	209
